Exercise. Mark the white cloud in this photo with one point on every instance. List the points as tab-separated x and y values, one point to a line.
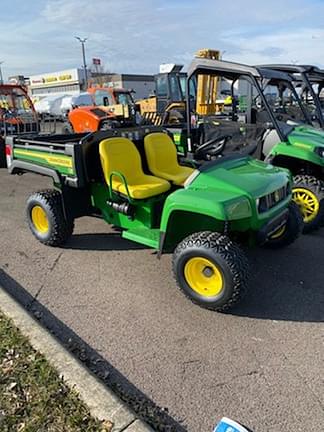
138	35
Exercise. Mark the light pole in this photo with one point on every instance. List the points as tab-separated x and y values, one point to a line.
1	76
83	41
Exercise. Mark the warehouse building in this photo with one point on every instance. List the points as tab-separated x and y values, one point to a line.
72	82
66	82
142	85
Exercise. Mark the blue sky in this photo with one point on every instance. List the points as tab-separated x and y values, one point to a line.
135	36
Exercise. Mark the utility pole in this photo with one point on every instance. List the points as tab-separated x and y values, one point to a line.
83	41
1	76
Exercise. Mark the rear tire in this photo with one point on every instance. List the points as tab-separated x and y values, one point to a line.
210	270
308	194
46	220
290	232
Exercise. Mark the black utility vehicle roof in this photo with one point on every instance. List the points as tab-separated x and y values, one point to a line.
313	72
231	69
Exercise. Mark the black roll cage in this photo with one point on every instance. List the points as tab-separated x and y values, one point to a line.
309	75
252	74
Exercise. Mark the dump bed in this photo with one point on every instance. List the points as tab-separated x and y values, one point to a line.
71	160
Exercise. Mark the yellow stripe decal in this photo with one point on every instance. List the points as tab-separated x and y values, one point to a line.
64	161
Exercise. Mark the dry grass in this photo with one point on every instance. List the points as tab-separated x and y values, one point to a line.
33	398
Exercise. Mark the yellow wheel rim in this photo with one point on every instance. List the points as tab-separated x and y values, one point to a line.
277	234
307	202
203	277
39	219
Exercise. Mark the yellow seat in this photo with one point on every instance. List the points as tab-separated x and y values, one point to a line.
121	155
161	155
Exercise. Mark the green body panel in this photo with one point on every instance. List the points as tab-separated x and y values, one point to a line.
145	211
59	162
301	144
228	192
146	236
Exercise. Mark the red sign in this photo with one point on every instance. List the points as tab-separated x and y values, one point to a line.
96	61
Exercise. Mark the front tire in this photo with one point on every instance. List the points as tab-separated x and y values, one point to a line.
46	220
210	270
308	194
289	232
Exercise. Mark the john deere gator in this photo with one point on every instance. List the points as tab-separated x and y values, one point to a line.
133	180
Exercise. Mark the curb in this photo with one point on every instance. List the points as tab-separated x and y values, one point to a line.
102	402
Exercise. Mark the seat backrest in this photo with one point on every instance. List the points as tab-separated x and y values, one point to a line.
161	153
120	154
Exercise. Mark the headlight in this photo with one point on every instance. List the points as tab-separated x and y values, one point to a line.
239	209
319	151
269	201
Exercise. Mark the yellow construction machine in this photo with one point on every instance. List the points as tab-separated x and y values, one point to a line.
167	105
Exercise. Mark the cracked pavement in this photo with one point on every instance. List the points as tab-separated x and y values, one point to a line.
262	364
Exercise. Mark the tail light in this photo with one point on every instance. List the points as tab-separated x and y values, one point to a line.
8	150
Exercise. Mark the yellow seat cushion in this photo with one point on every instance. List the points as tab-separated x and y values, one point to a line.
120	155
161	155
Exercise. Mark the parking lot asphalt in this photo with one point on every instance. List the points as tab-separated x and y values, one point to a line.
262	364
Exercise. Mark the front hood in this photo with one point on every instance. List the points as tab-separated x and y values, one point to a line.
306	137
244	176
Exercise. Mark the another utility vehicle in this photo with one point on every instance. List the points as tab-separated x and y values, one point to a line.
309	83
111	108
132	179
17	115
263	107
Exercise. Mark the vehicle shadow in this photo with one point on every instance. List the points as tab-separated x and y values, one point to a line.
101	242
286	284
140	403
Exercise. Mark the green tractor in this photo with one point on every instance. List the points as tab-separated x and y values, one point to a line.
133	180
260	106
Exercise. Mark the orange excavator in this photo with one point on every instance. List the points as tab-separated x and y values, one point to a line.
17	115
111	108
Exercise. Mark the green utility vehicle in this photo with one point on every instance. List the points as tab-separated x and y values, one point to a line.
132	179
260	106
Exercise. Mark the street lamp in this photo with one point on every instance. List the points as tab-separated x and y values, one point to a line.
83	41
1	76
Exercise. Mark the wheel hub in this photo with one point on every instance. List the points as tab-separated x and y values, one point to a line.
208	272
203	276
308	203
39	219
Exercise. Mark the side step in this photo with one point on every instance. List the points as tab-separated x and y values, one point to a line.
146	236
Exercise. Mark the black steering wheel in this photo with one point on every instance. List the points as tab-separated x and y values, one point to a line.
212	147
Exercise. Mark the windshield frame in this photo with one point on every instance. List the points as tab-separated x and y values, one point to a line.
307	78
276	82
283	129
128	94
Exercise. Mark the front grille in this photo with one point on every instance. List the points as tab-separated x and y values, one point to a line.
269	201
